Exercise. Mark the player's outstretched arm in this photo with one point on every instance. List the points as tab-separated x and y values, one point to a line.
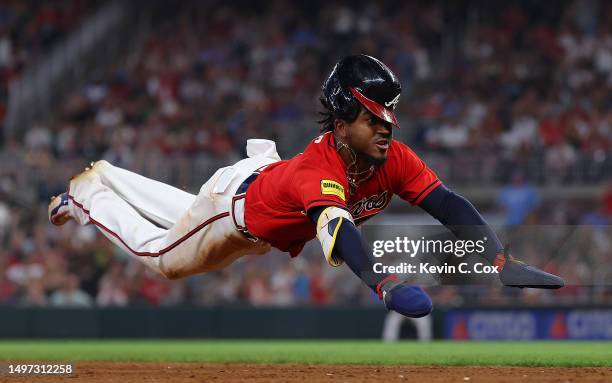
348	247
461	217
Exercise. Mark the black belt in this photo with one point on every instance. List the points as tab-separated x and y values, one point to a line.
245	185
242	190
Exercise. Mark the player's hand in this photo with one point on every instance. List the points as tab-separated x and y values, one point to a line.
515	273
410	301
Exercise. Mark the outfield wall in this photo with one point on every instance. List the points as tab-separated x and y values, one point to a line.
226	322
529	324
507	323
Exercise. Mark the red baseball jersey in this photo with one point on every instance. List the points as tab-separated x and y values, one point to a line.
277	201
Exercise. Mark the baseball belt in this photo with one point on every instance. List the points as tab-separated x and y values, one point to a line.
240	194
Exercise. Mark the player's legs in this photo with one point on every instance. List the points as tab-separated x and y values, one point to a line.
157	201
89	201
202	239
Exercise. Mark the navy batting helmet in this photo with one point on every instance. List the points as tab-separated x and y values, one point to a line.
360	80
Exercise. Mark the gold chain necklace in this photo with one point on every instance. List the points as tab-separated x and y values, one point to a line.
354	177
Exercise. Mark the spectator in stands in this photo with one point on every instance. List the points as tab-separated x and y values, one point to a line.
34	294
70	295
113	290
519	200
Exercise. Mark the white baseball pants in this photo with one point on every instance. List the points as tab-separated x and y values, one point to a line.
171	231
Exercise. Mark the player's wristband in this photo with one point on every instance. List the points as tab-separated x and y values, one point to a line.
381	284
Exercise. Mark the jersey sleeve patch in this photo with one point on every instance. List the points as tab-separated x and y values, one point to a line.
329	187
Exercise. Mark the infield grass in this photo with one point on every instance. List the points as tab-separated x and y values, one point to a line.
557	353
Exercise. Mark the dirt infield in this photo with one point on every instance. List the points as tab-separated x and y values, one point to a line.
201	372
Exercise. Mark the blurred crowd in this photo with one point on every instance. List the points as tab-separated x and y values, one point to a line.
529	90
28	31
512	93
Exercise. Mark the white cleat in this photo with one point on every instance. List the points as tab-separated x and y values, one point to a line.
59	213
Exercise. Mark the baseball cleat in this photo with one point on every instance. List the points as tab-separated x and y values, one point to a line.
515	273
59	212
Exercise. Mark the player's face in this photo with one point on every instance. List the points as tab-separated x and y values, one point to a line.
370	137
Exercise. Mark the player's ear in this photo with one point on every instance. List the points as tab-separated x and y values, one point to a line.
340	127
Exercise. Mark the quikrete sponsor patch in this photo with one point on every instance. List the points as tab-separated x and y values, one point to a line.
330	187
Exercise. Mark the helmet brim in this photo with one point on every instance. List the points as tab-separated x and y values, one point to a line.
375	108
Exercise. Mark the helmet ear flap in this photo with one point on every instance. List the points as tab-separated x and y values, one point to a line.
338	100
353	110
333	94
348	106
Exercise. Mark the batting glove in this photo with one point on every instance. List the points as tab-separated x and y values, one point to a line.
410	301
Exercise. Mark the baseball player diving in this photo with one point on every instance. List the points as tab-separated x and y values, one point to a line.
344	176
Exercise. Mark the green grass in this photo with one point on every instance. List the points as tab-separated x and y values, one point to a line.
595	354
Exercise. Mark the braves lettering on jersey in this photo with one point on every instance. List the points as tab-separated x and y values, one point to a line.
277	201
